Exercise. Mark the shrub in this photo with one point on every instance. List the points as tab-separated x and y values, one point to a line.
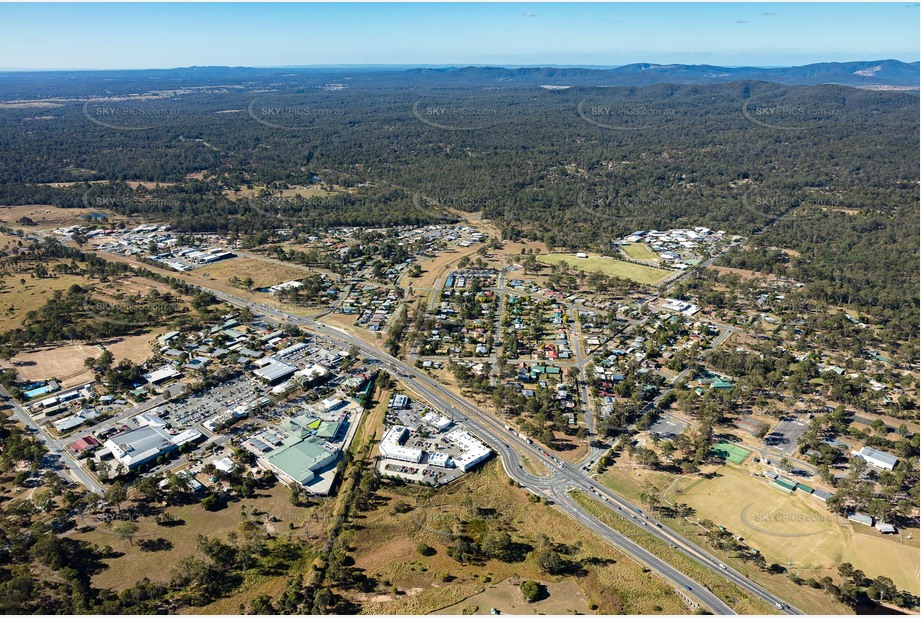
531	590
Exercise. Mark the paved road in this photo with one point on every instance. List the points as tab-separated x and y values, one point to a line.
563	476
54	446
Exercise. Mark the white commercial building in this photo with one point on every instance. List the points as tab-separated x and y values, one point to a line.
473	451
437	421
392	447
881	460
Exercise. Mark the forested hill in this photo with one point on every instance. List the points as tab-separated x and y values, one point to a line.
830	172
863	74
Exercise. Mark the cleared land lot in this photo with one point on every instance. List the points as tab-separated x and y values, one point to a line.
388	541
608	266
563	597
797	528
639	252
16	299
65	362
263	272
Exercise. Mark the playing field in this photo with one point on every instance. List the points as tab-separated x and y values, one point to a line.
609	266
639	252
797	528
735	454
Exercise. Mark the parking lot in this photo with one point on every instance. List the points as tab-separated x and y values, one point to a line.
201	407
785	436
667	427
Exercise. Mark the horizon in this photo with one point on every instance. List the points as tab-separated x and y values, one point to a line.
125	36
458	65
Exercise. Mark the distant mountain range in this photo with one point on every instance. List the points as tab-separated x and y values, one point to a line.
877	74
867	74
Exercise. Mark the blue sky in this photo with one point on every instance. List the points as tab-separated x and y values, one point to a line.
84	36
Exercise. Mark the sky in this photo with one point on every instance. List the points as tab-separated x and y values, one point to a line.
135	36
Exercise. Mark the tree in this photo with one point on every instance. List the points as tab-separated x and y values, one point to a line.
116	494
531	590
126	531
425	550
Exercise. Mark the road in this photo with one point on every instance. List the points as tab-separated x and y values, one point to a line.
54	446
564	476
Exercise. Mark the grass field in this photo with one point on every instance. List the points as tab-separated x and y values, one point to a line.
735	454
639	251
563	597
797	528
263	273
609	266
16	299
387	540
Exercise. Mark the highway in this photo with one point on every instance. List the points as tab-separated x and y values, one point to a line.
564	476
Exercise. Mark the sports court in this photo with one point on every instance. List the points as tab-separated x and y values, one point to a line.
735	454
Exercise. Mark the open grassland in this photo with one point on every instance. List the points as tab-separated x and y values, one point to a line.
18	299
609	266
639	251
797	528
561	598
134	564
48	217
387	542
737	598
264	273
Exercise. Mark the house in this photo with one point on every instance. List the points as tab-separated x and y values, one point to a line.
84	444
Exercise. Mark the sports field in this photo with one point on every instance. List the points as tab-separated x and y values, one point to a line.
797	528
639	252
735	454
609	266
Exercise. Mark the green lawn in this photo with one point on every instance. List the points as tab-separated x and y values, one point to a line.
639	252
609	266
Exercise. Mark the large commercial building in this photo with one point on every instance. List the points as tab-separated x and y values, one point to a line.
392	445
881	460
273	371
139	446
298	459
473	451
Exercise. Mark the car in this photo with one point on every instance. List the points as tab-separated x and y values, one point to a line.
687	588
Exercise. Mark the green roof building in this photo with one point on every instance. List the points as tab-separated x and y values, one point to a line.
297	459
